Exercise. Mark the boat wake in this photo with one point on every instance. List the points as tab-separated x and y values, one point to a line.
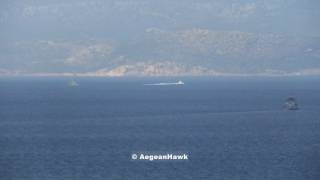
165	84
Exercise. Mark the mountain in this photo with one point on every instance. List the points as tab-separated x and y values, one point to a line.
149	37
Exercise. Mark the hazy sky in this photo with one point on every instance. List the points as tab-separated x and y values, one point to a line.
241	36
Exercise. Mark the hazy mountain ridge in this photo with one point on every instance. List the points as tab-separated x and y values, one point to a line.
222	51
118	36
156	69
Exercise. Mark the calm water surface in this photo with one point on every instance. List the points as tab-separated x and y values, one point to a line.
232	129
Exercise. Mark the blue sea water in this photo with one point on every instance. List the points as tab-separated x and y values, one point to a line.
231	128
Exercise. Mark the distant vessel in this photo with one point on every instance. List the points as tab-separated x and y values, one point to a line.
166	84
291	104
73	83
180	82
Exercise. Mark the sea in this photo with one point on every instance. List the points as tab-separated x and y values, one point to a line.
230	128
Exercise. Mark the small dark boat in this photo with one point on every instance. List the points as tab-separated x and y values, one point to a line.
291	104
73	83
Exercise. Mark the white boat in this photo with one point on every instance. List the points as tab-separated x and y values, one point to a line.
166	83
180	82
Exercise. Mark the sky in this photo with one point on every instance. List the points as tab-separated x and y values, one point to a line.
153	37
